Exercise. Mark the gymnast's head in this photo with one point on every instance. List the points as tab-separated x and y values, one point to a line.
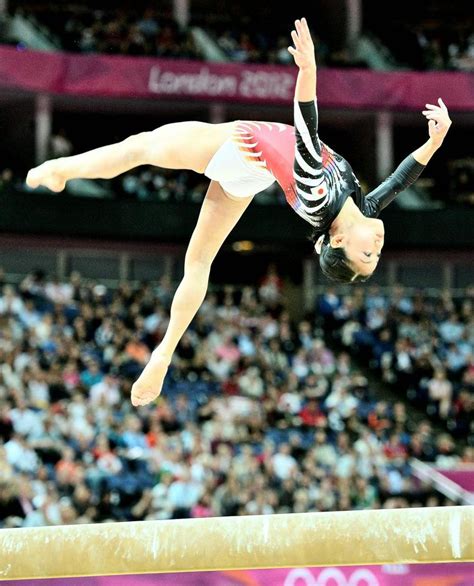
349	252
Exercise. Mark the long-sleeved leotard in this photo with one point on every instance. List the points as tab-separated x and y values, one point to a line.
324	180
316	180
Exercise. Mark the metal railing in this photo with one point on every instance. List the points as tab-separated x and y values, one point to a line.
445	486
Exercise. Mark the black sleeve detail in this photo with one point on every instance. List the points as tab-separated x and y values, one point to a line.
404	175
309	113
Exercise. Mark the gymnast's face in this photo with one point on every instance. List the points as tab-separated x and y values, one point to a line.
363	242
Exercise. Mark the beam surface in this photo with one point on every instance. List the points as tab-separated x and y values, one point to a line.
425	535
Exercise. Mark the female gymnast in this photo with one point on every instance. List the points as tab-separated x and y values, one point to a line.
243	158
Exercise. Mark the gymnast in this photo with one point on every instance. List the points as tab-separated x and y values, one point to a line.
242	158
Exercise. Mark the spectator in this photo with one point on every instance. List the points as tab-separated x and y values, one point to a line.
183	495
441	390
271	287
61	146
312	416
105	392
20	456
284	465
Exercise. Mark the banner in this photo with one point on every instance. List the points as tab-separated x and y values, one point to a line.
118	76
396	575
464	478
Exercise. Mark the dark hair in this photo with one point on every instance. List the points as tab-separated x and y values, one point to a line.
335	265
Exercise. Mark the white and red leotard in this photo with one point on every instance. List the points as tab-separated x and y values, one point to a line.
316	180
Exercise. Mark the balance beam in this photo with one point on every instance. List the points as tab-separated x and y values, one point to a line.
408	536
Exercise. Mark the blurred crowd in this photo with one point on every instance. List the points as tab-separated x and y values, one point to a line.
258	415
422	344
154	32
430	42
115	31
243	40
446	48
161	185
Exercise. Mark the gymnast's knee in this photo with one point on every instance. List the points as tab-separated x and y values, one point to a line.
198	265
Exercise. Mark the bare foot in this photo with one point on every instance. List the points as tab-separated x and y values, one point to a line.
150	382
48	175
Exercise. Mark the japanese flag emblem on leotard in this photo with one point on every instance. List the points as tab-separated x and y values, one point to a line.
320	191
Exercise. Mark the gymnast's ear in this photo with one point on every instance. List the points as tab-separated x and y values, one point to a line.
337	241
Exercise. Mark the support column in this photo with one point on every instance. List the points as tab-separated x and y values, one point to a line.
309	266
217	113
392	271
181	12
448	275
3	18
353	20
61	265
168	266
384	144
124	267
43	124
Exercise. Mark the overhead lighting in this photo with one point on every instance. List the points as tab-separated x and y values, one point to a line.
243	246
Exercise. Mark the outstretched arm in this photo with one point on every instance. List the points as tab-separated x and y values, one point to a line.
439	123
311	189
305	59
410	168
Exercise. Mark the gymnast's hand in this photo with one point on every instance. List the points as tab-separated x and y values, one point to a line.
438	122
47	175
303	51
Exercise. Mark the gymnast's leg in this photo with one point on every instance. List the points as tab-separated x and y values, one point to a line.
182	145
219	214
